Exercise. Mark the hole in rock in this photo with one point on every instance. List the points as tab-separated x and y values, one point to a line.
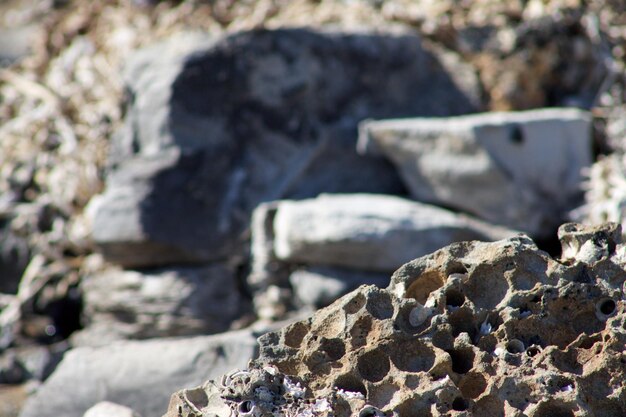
472	385
462	360
459	404
414	407
516	134
426	283
354	305
373	365
412	356
553	409
370	411
532	351
515	346
379	305
454	298
350	383
607	307
489	405
462	321
245	407
295	334
359	331
334	348
380	395
486	287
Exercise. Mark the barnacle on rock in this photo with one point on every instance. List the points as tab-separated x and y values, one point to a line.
482	329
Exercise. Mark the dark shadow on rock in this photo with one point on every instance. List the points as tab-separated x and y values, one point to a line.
265	115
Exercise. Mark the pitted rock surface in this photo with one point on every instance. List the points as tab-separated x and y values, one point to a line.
474	329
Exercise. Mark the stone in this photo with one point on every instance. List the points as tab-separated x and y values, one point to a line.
215	127
369	232
473	329
175	301
522	170
137	373
109	409
318	286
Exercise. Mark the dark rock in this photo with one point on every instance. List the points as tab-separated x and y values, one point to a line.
215	128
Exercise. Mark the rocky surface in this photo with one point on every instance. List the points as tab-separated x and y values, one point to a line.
282	110
485	329
137	374
158	303
250	118
523	170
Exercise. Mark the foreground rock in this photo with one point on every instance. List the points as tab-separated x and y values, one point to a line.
522	170
137	374
215	128
474	329
158	303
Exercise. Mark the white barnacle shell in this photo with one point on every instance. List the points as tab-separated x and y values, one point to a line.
485	327
419	314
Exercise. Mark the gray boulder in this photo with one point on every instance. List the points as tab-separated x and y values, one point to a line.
522	170
165	302
138	374
214	128
369	232
318	286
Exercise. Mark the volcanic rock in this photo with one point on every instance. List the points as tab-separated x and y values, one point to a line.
474	329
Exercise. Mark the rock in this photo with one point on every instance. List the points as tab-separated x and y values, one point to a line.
136	374
109	409
520	170
473	329
318	286
369	232
177	301
214	128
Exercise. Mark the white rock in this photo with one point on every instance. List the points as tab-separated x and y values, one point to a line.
521	170
369	232
109	409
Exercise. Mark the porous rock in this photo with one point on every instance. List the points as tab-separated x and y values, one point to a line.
158	303
136	374
213	128
474	329
518	169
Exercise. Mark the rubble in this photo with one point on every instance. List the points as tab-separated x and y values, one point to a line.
475	328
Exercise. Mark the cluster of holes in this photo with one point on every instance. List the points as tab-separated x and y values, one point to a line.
374	365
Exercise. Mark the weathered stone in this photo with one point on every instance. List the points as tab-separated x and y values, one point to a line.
521	170
158	303
369	232
318	286
474	329
137	374
215	128
109	409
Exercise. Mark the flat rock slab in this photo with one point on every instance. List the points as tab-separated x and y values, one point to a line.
522	170
164	302
139	374
213	128
369	232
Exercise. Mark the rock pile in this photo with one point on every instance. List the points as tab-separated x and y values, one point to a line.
483	329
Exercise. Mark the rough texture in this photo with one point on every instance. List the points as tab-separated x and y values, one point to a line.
158	303
521	170
251	118
369	232
362	233
474	329
137	374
